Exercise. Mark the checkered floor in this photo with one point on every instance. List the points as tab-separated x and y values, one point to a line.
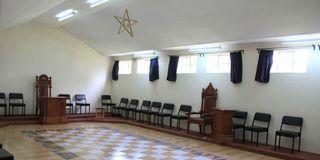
105	143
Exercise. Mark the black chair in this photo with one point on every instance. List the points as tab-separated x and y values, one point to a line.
289	121
3	103
239	121
132	106
106	101
145	106
264	122
116	109
182	115
16	100
155	108
81	101
69	104
166	111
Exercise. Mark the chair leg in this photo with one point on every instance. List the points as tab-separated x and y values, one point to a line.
293	139
200	128
170	122
257	139
162	121
178	124
279	141
299	143
244	136
251	135
275	142
267	138
188	127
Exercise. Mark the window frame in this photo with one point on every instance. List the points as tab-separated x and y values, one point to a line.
292	63
218	63
121	65
148	68
192	67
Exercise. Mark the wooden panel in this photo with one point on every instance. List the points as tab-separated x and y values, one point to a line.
53	110
223	125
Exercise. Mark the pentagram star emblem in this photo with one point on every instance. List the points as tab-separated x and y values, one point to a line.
125	23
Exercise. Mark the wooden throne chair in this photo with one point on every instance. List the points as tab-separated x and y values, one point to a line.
205	116
43	89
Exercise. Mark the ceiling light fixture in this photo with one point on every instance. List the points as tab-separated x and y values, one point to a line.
205	48
142	53
302	37
66	14
313	41
94	3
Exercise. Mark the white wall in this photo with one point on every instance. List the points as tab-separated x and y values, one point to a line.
33	49
285	94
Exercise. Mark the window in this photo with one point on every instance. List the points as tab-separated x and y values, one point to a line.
218	63
187	64
290	61
143	66
125	67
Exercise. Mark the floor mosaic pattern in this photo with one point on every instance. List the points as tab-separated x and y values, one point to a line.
112	144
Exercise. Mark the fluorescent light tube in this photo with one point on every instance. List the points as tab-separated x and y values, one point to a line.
302	42
94	3
66	14
204	50
302	37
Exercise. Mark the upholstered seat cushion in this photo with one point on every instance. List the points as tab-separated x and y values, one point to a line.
287	133
108	104
256	128
3	105
179	117
235	126
17	104
83	104
163	114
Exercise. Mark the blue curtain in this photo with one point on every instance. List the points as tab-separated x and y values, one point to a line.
264	66
154	69
172	69
236	67
115	70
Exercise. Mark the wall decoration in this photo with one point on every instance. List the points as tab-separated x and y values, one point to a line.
126	23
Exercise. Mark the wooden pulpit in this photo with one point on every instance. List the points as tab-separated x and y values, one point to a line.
52	109
223	125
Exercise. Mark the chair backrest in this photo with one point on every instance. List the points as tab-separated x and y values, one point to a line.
184	109
80	98
155	106
106	99
167	108
66	96
123	102
145	105
16	97
240	116
208	99
262	117
133	103
2	98
292	121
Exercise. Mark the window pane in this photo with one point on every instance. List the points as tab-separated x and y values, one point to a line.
218	63
125	67
187	64
143	66
294	61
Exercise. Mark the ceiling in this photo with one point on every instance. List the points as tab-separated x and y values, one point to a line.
169	23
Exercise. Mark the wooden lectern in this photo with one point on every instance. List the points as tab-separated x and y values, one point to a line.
223	125
52	109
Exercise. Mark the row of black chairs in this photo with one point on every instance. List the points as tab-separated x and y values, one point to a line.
80	101
15	101
261	123
147	108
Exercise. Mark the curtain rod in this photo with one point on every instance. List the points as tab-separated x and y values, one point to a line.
303	46
222	51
